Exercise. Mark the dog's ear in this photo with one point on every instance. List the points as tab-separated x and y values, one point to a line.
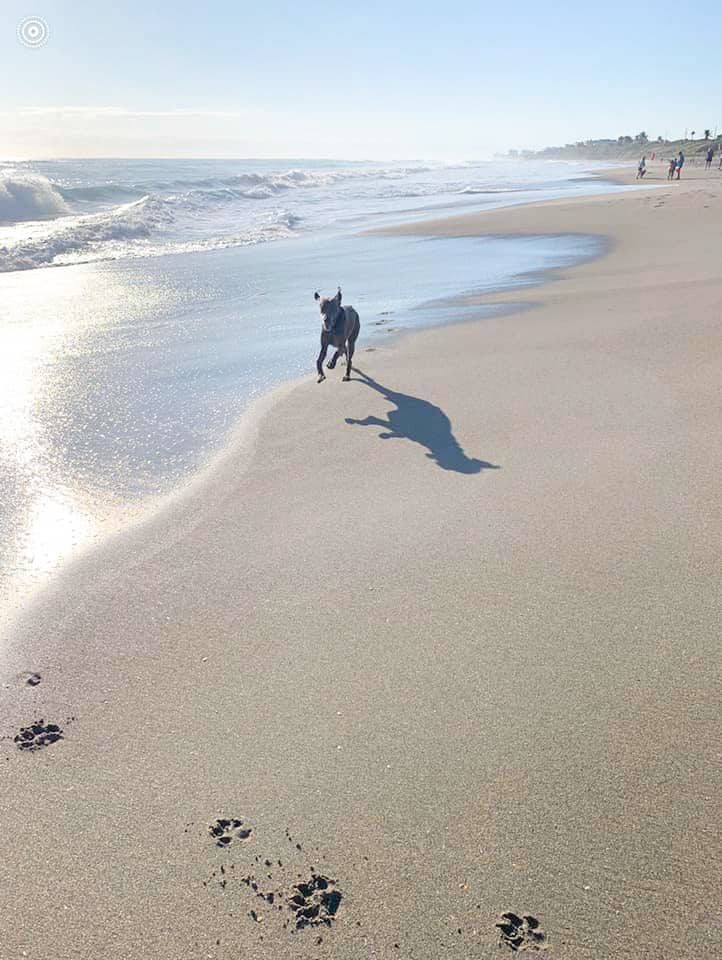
317	295
338	295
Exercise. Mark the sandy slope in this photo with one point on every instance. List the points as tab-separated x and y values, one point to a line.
466	651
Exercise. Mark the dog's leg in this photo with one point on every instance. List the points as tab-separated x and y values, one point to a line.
349	356
332	362
319	362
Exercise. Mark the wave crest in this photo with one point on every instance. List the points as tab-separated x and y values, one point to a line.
127	231
242	186
85	235
29	197
100	219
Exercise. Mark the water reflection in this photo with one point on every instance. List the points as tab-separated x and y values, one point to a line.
54	526
48	500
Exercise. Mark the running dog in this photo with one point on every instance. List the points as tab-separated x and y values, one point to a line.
340	328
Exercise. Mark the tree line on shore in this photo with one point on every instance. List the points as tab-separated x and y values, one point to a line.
622	147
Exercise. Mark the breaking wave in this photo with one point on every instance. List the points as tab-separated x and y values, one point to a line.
131	230
248	186
54	222
102	193
27	197
54	213
84	235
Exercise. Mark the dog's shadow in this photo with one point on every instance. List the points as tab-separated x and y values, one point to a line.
423	423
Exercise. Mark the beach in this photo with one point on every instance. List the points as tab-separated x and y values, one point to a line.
446	635
146	304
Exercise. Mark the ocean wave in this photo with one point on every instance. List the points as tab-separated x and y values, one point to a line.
114	218
249	185
287	179
54	214
85	235
485	190
102	193
29	197
129	231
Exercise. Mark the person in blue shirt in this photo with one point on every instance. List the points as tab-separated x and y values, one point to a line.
680	163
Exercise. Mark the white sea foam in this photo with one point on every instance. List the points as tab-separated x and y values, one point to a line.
131	230
96	221
250	185
27	197
84	235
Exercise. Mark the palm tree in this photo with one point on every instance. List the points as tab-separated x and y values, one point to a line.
707	134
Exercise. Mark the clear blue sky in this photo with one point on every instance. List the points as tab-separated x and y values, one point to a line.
387	80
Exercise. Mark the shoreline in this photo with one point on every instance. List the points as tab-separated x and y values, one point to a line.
132	515
168	510
460	649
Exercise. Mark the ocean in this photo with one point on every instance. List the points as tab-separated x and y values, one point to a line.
144	304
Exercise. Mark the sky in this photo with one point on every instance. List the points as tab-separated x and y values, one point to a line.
364	80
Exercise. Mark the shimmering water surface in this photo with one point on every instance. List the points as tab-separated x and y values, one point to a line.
124	373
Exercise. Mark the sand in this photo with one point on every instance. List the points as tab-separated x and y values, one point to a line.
447	635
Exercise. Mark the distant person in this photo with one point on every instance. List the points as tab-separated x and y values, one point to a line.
672	168
708	162
642	168
680	163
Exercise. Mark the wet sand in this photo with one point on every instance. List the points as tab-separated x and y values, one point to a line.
431	647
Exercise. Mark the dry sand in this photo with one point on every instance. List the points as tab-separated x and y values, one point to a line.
466	654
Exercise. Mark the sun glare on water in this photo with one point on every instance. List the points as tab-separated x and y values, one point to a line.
42	521
53	528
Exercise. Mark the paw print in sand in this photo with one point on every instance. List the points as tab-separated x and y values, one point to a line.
224	831
30	679
314	903
521	933
38	735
